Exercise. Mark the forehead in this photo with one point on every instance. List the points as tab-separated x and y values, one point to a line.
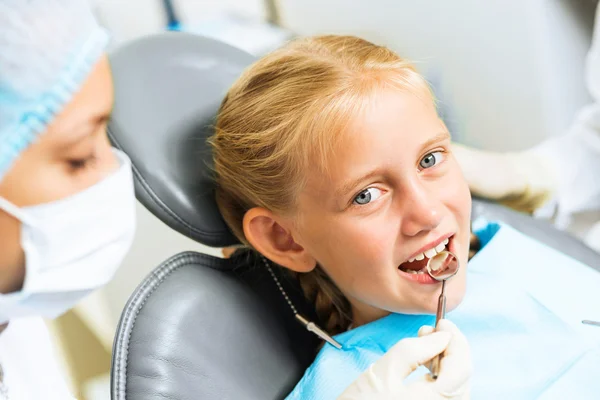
92	103
389	132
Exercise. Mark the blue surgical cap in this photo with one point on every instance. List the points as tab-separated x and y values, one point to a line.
47	50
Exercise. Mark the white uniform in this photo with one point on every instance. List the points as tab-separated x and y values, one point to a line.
31	370
576	156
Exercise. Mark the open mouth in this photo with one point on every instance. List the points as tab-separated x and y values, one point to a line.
418	264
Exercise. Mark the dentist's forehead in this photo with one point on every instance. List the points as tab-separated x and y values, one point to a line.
90	107
48	49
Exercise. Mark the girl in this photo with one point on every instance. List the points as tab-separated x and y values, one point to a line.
333	163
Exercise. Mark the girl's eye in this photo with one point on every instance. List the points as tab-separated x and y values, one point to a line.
431	159
366	196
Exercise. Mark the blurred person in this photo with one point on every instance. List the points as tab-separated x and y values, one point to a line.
67	215
559	177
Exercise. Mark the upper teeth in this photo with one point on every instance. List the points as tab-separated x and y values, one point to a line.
431	252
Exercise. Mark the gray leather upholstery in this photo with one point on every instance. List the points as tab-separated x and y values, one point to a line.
167	91
200	327
206	328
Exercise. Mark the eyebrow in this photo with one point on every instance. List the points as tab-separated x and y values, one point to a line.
83	129
348	186
440	137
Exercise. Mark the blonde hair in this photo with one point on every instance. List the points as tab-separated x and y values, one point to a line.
282	117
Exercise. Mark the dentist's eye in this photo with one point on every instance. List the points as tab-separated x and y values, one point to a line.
431	159
367	196
81	163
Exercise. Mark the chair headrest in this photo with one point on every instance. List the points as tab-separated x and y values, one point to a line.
168	88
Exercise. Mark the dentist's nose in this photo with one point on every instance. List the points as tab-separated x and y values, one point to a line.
422	211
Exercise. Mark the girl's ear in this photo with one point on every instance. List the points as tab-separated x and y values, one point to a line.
269	236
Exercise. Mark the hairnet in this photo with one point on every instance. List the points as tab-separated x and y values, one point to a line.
47	49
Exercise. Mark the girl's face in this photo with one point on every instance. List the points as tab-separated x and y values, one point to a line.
392	193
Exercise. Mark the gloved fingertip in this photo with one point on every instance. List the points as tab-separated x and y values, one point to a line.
425	330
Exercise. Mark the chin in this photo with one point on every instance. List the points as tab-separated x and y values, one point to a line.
454	296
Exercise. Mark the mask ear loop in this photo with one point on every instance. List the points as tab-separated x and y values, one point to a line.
309	325
14	211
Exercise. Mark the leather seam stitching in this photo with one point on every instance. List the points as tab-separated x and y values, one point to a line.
133	308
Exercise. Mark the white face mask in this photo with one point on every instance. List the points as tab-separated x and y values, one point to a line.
72	246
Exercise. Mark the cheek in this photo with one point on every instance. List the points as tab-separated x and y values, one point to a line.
349	249
39	177
457	200
457	195
107	161
369	240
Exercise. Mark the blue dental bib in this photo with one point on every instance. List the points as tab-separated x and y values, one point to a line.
522	316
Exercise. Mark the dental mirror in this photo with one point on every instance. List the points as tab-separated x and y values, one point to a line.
441	267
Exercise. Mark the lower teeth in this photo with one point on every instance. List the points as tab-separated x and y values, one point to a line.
411	271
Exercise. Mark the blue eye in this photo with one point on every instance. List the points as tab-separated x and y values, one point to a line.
431	159
366	196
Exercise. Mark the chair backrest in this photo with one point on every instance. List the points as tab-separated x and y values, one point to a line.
200	327
168	88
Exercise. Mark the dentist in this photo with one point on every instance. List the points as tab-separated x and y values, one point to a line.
67	205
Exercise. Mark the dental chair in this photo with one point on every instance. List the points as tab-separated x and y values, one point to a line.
201	327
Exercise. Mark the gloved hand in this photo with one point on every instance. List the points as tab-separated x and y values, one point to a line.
523	181
384	378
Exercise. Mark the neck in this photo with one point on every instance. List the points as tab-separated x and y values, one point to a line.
363	314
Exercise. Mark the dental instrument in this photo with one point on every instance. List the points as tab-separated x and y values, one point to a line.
441	267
